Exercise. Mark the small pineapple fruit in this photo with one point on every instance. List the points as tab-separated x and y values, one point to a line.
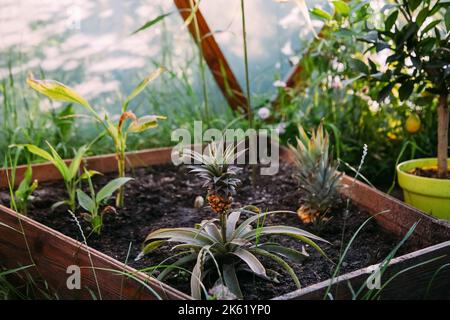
319	180
218	173
219	203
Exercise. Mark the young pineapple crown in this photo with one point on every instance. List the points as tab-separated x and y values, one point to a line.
316	172
216	168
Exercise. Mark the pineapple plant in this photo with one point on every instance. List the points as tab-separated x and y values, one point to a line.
223	248
215	168
318	178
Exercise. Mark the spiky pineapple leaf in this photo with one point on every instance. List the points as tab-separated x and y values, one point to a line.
256	217
231	280
285	252
196	276
281	262
232	220
183	260
149	247
253	262
188	235
281	230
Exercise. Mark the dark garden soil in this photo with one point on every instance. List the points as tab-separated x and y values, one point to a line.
428	173
163	196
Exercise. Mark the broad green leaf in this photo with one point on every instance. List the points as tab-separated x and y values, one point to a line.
253	262
425	46
370	37
381	45
413	4
96	223
85	201
341	7
144	123
385	92
59	163
152	22
76	162
390	20
408	31
38	151
321	14
438	6
110	188
358	65
141	86
423	14
57	91
231	280
25	183
431	25
406	89
373	66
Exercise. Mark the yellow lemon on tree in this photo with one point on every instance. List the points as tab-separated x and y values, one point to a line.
412	124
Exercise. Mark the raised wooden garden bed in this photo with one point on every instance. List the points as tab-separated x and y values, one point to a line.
29	242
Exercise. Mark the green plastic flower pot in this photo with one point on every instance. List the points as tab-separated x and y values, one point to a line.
427	194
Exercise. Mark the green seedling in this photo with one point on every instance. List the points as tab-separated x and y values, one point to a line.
95	203
117	131
69	172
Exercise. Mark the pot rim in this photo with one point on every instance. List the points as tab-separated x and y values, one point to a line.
400	171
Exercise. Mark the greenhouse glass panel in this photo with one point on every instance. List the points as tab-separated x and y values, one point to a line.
89	46
277	35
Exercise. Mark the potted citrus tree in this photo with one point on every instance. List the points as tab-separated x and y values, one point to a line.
416	34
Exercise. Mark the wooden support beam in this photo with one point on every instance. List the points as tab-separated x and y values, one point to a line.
215	58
